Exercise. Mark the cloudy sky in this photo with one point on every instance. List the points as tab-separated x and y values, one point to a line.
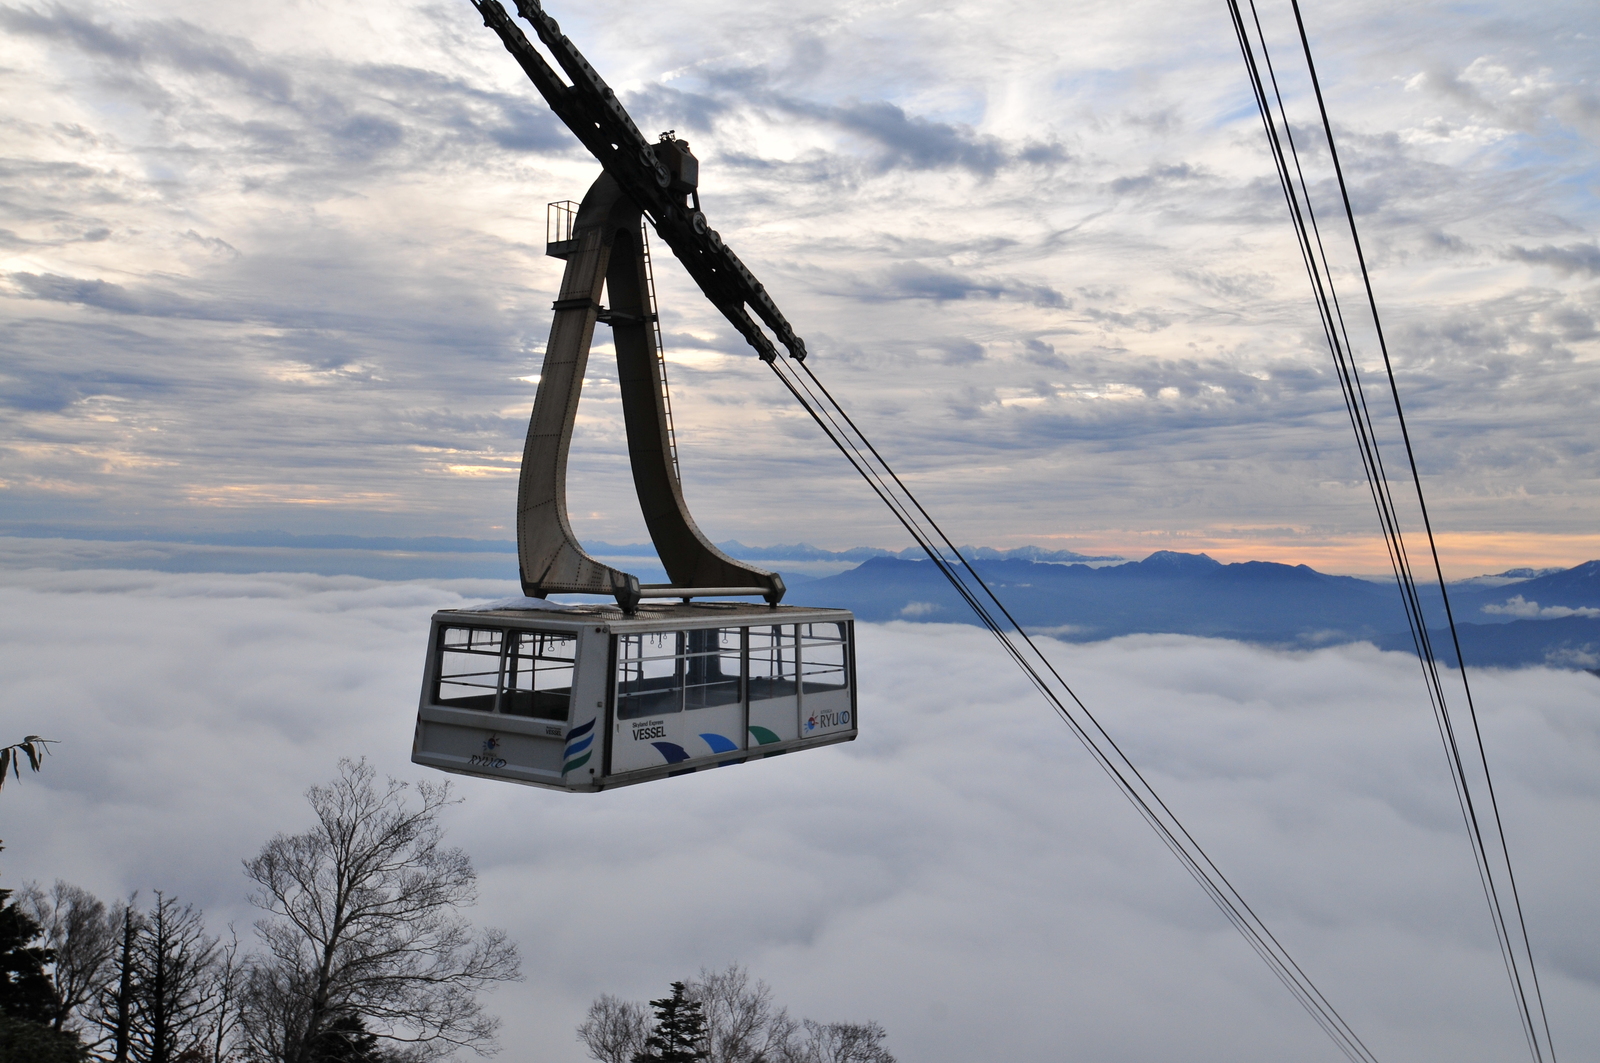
280	266
962	873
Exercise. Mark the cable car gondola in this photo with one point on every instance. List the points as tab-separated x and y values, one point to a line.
586	697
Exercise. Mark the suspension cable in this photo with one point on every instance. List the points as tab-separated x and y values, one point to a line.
865	458
1492	865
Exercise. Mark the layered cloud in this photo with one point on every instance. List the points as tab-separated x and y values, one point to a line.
278	267
962	873
1516	606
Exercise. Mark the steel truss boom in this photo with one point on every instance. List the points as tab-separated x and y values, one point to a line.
590	108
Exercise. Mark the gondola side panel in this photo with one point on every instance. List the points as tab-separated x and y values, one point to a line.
827	679
430	680
459	736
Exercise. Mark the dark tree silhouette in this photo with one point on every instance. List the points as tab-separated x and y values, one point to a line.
22	1041
724	1017
175	985
27	996
25	989
680	1031
82	935
347	1040
115	1009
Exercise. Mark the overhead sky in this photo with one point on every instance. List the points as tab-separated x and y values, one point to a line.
280	265
962	873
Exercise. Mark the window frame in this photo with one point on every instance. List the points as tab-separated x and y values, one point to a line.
510	640
846	656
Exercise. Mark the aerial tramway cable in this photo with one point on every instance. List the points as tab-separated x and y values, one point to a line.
1492	864
815	398
865	458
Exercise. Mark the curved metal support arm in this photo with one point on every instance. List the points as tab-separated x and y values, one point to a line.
608	256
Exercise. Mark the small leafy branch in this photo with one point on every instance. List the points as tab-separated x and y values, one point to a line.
33	747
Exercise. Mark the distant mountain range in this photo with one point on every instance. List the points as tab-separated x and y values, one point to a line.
807	552
456	545
1522	616
1505	621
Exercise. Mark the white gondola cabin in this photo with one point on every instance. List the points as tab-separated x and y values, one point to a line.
584	698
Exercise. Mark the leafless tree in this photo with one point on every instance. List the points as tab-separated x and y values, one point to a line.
222	1022
274	1004
114	1010
615	1030
156	996
83	937
176	984
742	1026
363	924
840	1042
742	1023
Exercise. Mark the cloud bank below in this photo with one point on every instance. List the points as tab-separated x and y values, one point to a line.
961	873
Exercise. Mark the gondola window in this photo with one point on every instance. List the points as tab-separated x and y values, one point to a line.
773	659
538	675
469	667
526	673
824	662
713	668
649	674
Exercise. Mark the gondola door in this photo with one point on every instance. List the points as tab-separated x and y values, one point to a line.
713	693
647	730
774	678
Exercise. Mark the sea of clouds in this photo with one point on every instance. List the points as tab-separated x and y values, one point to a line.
962	873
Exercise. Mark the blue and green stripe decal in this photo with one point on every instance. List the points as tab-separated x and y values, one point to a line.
719	744
579	739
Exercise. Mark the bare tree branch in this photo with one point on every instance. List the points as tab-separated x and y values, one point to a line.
82	936
842	1042
743	1023
742	1026
615	1030
363	923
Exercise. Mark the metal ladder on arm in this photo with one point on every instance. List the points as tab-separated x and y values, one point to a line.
661	348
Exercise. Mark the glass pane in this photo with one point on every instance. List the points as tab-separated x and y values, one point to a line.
772	662
649	674
469	668
711	668
822	657
539	675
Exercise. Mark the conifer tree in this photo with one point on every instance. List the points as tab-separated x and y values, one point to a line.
680	1031
347	1040
27	995
25	988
